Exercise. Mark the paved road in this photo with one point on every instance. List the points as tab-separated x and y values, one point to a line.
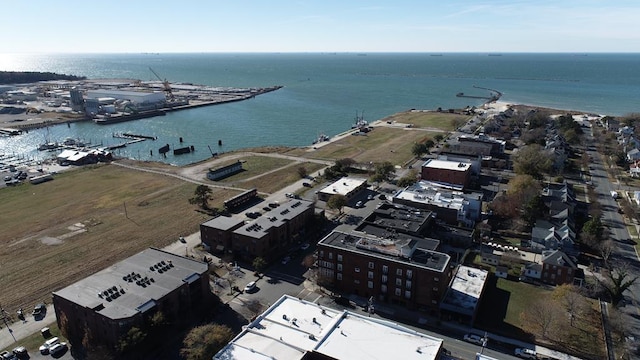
624	250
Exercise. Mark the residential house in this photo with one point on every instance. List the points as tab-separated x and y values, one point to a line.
558	268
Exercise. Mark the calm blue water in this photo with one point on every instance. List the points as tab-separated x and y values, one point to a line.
322	92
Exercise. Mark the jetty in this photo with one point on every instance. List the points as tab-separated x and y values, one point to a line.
10	131
495	96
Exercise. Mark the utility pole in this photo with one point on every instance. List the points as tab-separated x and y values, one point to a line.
4	319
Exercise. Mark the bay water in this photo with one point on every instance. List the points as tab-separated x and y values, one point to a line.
322	92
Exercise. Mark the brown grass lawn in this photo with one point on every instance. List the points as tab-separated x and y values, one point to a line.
34	216
504	301
381	144
275	180
438	120
255	165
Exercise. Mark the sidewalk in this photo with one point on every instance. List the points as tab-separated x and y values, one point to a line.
21	329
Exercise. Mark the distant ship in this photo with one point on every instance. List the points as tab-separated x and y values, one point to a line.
321	138
360	122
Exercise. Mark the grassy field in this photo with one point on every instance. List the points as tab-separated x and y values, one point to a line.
255	165
275	180
60	231
504	301
381	144
437	120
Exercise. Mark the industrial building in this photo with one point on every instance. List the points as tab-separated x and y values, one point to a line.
135	97
296	329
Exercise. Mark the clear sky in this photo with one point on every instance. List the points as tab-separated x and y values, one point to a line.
133	26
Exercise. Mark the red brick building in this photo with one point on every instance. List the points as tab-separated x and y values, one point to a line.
98	311
558	268
448	172
399	269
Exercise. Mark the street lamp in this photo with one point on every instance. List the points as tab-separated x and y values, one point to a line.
485	339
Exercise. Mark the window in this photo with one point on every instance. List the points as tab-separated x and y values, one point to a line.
435	289
436	279
384	279
409	274
356	281
554	267
339	257
385	269
407	294
357	269
383	288
339	276
321	253
370	284
398	282
339	267
399	272
370	264
559	272
330	256
370	275
398	292
407	284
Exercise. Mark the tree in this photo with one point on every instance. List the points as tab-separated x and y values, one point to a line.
302	172
532	160
570	299
618	281
534	209
408	180
201	196
131	339
418	149
203	342
594	228
384	172
523	188
541	317
337	202
259	264
438	137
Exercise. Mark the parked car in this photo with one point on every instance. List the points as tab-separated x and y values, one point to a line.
250	287
526	353
304	246
39	310
306	184
359	204
274	204
341	300
58	349
8	178
5	355
370	197
21	352
473	338
44	348
286	260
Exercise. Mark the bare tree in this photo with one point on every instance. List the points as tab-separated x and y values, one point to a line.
570	299
606	249
541	318
617	282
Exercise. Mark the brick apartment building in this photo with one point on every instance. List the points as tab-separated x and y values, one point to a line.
269	236
399	269
100	309
447	172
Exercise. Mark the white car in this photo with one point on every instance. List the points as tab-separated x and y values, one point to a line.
473	338
526	353
304	246
286	260
44	348
57	349
250	287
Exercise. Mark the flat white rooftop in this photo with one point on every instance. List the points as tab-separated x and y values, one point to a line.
343	186
291	327
466	289
446	165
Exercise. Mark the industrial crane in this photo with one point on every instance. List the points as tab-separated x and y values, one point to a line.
165	83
